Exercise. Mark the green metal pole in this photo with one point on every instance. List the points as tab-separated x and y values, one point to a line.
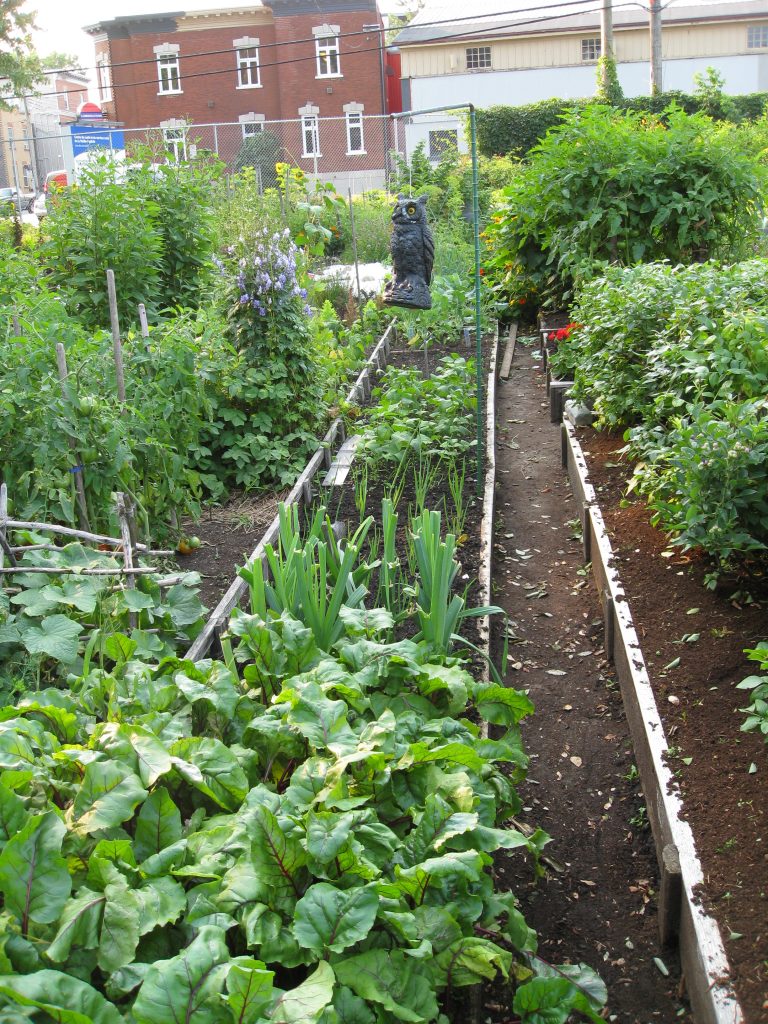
479	369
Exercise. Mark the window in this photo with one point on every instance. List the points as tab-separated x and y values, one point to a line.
478	57
176	143
168	73
310	135
104	77
251	128
355	142
757	37
590	48
327	51
442	141
247	53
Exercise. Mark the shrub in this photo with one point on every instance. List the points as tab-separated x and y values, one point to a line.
584	200
267	398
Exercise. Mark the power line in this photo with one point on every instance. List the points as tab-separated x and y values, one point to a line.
351	34
373	49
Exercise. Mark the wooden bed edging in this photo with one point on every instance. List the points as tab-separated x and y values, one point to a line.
702	955
300	492
485	569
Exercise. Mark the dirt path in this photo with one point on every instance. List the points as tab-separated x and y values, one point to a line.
582	789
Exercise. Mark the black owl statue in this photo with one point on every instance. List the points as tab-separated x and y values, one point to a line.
413	254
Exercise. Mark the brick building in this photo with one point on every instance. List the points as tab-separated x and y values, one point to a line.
308	71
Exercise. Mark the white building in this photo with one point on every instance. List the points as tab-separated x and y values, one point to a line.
511	52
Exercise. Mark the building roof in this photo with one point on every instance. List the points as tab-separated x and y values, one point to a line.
441	21
124	20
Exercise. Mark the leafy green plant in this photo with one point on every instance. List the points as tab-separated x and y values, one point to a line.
577	204
421	418
757	687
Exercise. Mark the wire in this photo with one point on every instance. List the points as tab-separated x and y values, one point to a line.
347	35
372	49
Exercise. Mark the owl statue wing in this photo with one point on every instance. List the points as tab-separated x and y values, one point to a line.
429	252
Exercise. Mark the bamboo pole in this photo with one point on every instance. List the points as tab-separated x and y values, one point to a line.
69	531
354	244
52	570
123	514
117	345
77	469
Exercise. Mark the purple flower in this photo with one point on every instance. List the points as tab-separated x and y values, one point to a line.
244	299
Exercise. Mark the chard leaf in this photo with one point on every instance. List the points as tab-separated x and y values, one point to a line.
327	832
188	986
351	1009
120	928
455	681
249	989
457	753
501	705
33	874
393	980
139	747
439	823
321	721
469	961
277	858
216	687
79	925
158	824
327	918
305	1004
108	796
13	814
208	765
66	999
547	1001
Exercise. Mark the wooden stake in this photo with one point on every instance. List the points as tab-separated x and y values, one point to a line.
77	469
143	320
16	326
5	548
68	531
123	514
117	345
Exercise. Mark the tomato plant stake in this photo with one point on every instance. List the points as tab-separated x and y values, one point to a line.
4	548
116	343
77	469
125	532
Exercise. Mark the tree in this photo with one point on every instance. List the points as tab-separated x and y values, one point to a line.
60	61
20	68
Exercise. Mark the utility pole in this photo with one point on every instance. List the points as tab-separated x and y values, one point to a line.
606	42
655	26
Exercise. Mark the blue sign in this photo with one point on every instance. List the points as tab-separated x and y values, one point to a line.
85	138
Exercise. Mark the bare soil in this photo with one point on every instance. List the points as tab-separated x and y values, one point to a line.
597	901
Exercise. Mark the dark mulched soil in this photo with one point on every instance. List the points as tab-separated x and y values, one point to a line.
725	802
596	903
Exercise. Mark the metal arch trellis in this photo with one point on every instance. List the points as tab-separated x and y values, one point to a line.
479	388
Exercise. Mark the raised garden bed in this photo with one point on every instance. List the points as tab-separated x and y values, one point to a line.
678	666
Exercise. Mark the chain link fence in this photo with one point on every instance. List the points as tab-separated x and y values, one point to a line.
355	152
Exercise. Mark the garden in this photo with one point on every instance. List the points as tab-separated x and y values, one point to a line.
260	760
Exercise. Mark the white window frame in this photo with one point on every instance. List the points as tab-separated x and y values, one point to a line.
353	114
478	58
175	139
327	54
247	63
251	124
590	49
757	37
310	130
104	77
168	69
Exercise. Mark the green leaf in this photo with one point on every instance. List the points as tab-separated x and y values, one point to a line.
278	859
351	1009
501	705
139	747
304	1004
184	606
33	874
327	918
79	925
13	814
136	601
188	986
56	636
217	687
119	929
158	824
66	999
470	961
210	766
327	832
161	901
108	796
439	823
249	989
393	980
457	753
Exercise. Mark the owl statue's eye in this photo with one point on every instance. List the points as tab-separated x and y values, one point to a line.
410	210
